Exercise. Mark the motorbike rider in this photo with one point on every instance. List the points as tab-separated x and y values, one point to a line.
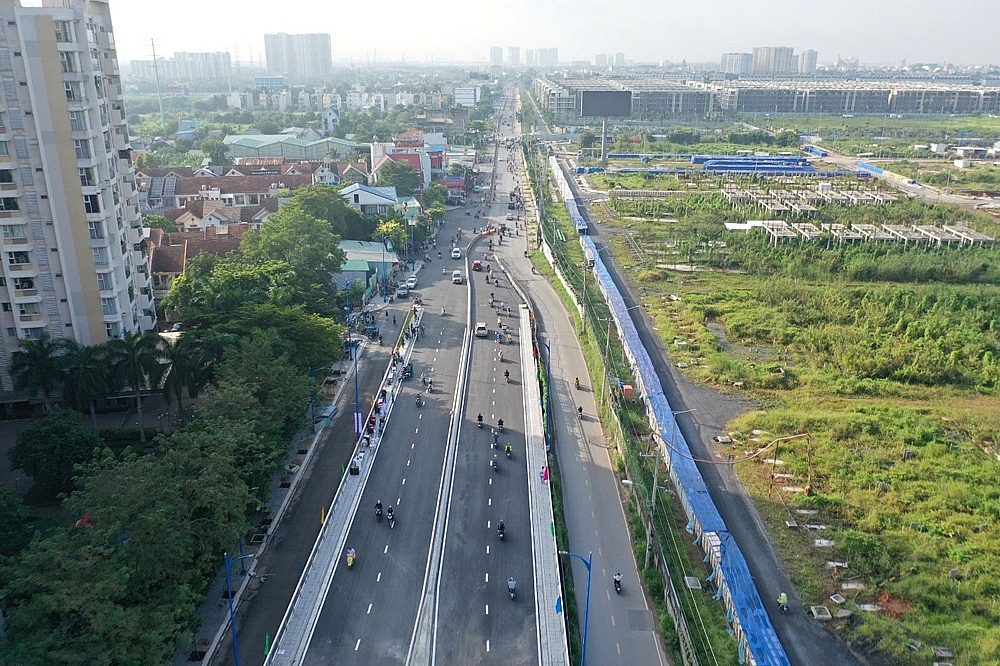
508	449
501	528
511	585
378	508
783	602
618	580
389	514
495	462
479	420
579	411
576	382
500	424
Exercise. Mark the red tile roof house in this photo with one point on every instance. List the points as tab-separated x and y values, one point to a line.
168	253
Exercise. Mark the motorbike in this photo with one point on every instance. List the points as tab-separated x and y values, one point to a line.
506	376
468	213
479	423
351	557
392	520
618	583
494	464
510	588
418	400
577	383
500	425
509	451
500	534
378	514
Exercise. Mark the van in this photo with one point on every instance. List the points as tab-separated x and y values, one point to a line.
456	277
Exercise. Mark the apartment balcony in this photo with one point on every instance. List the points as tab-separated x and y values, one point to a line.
10	214
10	189
25	293
30	317
15	242
24	270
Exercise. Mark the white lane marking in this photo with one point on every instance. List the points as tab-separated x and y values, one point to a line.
399	500
407	463
412	445
416	431
358	644
487	609
487	644
491	482
489	502
379	577
487	580
369	609
487	550
386	550
487	524
404	482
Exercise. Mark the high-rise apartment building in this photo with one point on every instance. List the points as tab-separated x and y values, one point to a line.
736	63
496	55
308	56
774	60
74	261
513	56
807	62
619	59
529	57
601	60
547	57
185	67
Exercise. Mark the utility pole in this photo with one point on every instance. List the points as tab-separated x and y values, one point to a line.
156	72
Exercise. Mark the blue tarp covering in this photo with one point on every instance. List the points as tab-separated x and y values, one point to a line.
735	582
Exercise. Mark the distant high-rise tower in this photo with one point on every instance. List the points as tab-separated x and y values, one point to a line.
308	56
807	62
774	60
548	57
619	59
75	263
496	55
513	56
601	60
529	57
737	63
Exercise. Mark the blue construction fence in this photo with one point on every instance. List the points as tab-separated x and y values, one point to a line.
758	643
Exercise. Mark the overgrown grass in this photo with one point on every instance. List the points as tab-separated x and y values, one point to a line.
896	384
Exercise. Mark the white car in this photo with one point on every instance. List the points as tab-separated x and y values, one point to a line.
456	277
411	282
402	291
456	253
481	330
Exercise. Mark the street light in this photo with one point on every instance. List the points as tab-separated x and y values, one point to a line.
586	611
357	404
229	596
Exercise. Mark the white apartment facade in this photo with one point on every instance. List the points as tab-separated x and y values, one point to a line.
74	260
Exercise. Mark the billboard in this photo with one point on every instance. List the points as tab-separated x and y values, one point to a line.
605	103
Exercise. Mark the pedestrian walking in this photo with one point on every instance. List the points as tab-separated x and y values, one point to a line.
393	320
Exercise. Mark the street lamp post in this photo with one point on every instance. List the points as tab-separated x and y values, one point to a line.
357	404
588	562
229	596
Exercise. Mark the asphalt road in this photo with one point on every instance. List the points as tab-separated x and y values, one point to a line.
622	629
477	621
806	642
370	610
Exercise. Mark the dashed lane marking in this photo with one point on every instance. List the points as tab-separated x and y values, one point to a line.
386	549
379	577
357	645
369	609
487	609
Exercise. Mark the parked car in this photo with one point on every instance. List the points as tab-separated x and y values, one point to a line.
402	290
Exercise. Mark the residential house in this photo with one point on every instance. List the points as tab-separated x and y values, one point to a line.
368	261
419	162
370	200
283	145
201	214
168	254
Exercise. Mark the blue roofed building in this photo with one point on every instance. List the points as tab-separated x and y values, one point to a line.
371	200
288	146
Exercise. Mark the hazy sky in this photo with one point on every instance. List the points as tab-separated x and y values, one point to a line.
876	31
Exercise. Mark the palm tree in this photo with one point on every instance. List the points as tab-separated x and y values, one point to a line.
183	359
135	362
87	375
36	366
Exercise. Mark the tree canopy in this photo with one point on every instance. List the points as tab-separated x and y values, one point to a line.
49	450
402	175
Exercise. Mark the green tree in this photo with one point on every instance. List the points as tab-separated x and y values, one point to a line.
435	195
87	376
159	222
307	244
217	151
50	448
35	367
395	230
314	341
402	175
135	363
326	203
183	358
587	139
14	532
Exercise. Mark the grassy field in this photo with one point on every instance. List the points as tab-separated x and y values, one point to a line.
944	174
894	373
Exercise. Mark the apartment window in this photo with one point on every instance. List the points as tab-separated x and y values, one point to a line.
22	283
96	229
105	118
6	307
100	255
14	232
82	147
29	309
18	258
109	306
3	148
87	177
78	120
11	332
92	203
9	203
72	90
104	282
6	176
107	141
99	84
64	31
67	60
113	330
34	333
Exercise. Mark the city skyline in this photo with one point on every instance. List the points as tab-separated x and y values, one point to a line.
875	33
